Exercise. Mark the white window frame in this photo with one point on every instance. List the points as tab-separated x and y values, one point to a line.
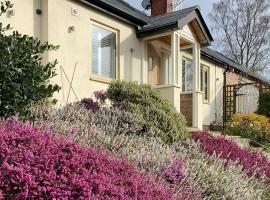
96	77
202	82
186	59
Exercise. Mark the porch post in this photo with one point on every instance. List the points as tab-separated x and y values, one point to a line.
144	64
179	65
173	56
197	111
173	94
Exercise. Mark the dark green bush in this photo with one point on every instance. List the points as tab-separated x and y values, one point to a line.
23	78
264	104
158	113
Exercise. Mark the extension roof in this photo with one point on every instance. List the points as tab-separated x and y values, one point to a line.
227	62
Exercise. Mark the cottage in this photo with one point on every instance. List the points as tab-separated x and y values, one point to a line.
102	40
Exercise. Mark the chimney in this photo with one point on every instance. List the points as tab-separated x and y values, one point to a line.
161	7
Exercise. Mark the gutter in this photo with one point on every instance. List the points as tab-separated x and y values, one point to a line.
112	11
149	31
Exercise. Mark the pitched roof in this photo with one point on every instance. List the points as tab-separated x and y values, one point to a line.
175	20
151	25
220	58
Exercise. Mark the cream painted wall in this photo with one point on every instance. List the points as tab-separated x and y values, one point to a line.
25	20
213	111
171	92
75	47
52	26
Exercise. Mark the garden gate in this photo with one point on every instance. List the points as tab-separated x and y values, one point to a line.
241	98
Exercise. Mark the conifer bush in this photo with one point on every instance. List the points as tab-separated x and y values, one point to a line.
36	164
157	112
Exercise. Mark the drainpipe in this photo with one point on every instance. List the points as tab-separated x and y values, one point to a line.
224	95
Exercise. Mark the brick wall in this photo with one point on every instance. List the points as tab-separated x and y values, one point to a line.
161	7
234	78
186	107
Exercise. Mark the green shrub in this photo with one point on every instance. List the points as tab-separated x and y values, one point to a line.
253	126
23	77
157	112
264	104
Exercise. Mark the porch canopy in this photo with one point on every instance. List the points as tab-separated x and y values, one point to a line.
166	38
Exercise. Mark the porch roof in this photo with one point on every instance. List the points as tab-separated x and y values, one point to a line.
227	62
173	21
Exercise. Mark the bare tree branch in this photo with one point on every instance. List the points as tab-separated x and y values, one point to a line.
243	31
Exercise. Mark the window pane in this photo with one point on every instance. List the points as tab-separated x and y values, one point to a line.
206	84
103	52
201	80
189	74
183	75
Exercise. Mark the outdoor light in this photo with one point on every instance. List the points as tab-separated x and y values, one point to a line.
74	12
71	29
11	12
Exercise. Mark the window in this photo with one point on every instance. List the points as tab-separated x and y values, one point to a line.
187	73
204	72
103	51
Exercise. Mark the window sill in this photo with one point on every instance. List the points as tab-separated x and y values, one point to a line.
101	79
166	86
186	92
206	102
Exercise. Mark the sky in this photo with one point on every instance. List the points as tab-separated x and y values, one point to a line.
205	5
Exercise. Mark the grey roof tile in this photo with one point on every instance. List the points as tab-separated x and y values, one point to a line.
224	59
163	20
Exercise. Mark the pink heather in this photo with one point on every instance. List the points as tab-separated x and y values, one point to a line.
38	165
253	163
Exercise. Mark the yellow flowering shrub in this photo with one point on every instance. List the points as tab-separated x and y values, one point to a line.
253	126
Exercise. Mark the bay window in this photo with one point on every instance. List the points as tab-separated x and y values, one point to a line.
103	51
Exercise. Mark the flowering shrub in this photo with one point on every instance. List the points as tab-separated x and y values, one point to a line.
157	112
253	163
174	173
101	96
201	179
90	104
38	165
255	127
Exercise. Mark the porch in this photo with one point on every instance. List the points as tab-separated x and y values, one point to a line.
176	76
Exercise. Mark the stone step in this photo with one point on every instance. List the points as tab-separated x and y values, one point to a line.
243	142
192	129
216	133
